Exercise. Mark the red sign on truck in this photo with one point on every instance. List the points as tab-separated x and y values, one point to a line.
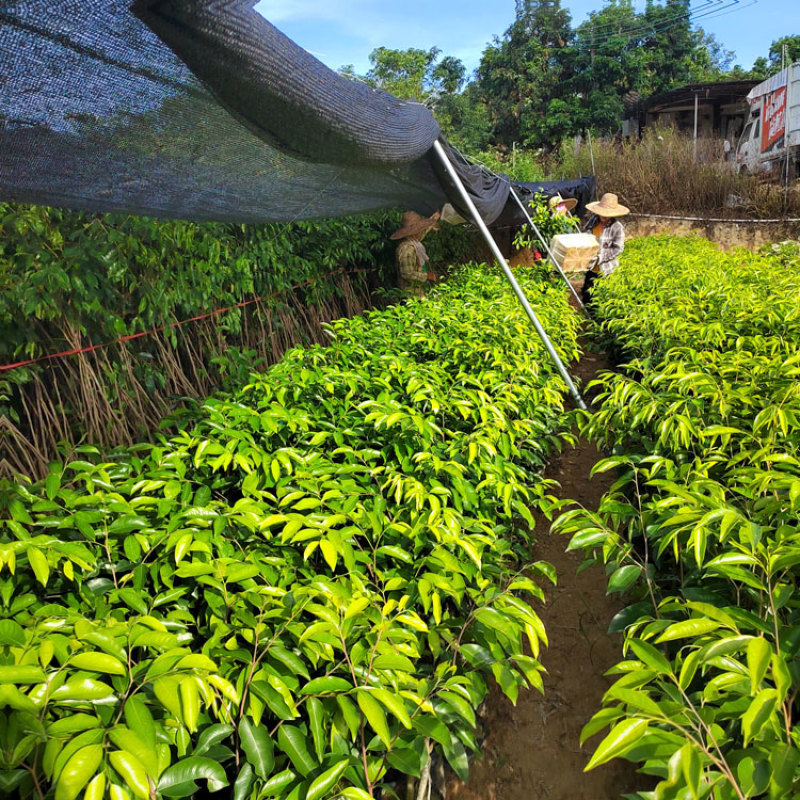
773	118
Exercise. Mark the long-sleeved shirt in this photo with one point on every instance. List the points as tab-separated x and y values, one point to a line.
412	276
612	243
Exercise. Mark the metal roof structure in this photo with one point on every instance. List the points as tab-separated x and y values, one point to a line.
719	91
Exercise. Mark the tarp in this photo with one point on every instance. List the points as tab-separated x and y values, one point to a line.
777	81
583	189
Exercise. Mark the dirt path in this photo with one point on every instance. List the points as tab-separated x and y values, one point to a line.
532	751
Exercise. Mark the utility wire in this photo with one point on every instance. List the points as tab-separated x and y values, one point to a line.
610	27
646	30
723	7
719	8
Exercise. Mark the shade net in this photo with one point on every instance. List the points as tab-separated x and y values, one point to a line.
583	189
201	109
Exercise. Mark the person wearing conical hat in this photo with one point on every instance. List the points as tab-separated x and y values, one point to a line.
606	226
411	255
561	206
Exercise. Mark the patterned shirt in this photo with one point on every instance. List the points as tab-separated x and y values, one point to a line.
412	276
612	243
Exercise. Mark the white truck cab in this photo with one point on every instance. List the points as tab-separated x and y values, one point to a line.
772	125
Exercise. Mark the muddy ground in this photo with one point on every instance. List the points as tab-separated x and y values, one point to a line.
531	751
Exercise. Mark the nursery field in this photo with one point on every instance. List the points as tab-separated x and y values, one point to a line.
702	526
313	589
307	589
109	323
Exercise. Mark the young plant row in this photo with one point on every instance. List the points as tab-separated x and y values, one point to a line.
303	593
70	280
701	527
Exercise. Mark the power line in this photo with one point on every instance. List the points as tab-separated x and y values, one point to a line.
607	28
710	10
664	24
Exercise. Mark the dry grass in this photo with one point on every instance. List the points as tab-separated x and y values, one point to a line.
661	175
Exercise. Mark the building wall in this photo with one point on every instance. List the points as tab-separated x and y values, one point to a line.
709	119
750	234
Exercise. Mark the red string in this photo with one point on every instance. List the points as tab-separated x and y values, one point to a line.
161	328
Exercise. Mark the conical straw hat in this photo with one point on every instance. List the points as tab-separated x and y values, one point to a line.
608	206
413	224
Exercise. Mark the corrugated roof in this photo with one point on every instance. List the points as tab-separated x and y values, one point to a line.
719	90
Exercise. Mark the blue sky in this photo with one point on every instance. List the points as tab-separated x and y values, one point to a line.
340	32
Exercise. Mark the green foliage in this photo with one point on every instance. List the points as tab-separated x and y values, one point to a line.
610	62
710	61
607	50
783	51
449	246
69	280
701	526
670	43
520	74
544	81
546	222
439	83
519	164
415	74
305	588
619	50
107	276
464	119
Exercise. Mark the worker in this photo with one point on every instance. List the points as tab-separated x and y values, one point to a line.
605	225
411	254
561	206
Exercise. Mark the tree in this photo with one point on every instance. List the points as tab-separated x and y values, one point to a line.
792	44
650	52
609	63
709	61
760	69
421	75
416	74
448	76
464	119
403	73
668	43
438	82
521	74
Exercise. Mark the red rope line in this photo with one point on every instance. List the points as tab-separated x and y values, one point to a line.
161	328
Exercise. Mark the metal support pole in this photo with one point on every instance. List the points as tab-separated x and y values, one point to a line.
787	119
547	249
437	146
696	101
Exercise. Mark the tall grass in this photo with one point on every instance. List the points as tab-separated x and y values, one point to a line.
519	164
661	174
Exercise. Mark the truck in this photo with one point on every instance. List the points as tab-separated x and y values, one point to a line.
770	140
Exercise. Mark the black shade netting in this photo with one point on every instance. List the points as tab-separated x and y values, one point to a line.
583	189
199	110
